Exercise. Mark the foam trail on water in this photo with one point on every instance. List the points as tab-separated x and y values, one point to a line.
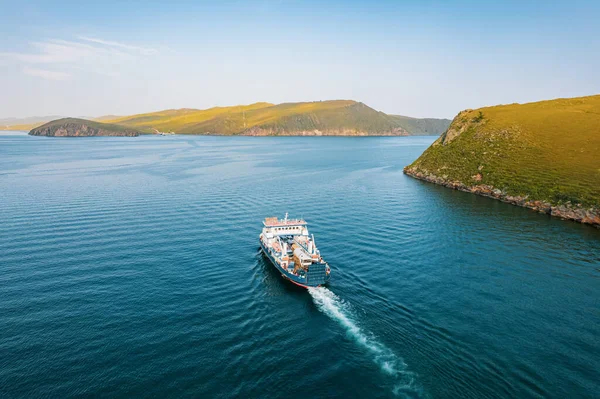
388	362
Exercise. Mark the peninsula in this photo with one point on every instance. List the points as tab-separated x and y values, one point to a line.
542	155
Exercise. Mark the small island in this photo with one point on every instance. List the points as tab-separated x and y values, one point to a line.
73	127
542	155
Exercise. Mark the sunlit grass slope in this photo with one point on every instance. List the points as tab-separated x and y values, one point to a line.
337	117
287	118
182	120
548	150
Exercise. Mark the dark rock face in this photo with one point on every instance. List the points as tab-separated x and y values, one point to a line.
564	211
73	129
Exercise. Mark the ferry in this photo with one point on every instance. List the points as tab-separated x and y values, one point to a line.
293	252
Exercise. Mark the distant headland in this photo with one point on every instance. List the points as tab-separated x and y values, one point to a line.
318	118
73	127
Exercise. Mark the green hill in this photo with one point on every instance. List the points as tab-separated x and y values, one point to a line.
543	155
181	120
423	126
73	127
339	117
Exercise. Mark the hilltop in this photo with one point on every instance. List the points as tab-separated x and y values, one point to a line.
337	117
73	127
542	155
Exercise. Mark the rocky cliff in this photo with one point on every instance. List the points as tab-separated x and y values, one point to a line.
575	212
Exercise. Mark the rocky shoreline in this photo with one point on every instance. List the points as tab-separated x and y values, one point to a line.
565	211
260	131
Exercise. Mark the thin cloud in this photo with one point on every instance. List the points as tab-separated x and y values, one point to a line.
45	73
87	54
141	50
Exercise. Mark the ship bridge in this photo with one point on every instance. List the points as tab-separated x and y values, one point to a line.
284	227
275	222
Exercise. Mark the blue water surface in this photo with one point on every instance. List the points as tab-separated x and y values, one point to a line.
130	267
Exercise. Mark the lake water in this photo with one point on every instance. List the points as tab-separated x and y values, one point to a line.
130	267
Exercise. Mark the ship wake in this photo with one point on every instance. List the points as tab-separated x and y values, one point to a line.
387	361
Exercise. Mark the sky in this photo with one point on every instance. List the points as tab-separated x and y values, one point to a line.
415	58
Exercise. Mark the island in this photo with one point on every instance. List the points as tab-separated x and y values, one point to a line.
73	127
542	155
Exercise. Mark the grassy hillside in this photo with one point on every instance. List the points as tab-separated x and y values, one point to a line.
333	117
182	120
338	117
288	118
423	126
74	127
547	151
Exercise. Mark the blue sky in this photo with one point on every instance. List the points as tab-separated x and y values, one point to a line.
417	58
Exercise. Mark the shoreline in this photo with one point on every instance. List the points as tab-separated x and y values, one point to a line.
234	135
580	214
